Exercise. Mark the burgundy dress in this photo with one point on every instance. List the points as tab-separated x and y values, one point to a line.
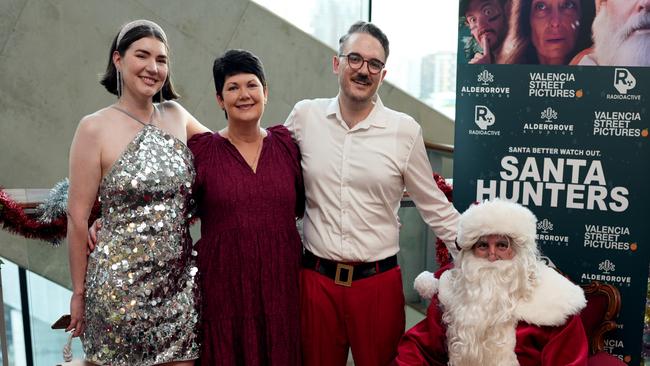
249	252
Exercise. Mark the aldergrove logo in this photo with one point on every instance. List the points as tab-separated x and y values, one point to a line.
485	87
485	78
546	236
553	85
624	81
606	274
549	124
484	118
607	267
608	237
618	124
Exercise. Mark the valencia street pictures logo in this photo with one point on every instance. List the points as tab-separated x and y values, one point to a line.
553	85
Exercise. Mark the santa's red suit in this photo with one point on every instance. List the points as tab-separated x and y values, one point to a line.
549	330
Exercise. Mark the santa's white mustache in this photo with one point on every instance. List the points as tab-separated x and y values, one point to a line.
640	22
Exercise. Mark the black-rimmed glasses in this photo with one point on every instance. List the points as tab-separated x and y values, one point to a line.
356	62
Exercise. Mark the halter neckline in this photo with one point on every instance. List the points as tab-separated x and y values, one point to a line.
136	118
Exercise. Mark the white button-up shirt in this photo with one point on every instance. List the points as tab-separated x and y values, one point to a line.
355	179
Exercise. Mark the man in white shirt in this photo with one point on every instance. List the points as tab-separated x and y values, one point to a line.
357	158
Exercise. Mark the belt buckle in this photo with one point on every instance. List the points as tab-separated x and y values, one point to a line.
337	277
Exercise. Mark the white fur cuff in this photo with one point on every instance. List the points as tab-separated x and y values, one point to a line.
426	284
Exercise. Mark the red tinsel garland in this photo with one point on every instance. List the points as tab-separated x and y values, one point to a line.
14	219
442	254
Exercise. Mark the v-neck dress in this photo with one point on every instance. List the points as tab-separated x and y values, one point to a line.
249	252
140	282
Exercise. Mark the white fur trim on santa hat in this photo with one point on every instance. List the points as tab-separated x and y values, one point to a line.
497	217
426	285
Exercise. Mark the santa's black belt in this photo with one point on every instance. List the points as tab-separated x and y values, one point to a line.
344	273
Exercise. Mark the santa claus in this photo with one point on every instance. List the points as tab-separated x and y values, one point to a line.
621	34
500	305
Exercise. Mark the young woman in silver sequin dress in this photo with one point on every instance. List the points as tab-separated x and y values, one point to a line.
134	298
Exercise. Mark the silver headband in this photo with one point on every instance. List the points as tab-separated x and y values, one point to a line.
137	23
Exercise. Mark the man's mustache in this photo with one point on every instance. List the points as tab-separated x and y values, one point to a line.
362	78
639	22
485	31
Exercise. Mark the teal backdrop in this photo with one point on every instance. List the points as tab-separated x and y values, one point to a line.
571	144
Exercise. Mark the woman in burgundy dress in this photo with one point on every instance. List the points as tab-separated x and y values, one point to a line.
249	191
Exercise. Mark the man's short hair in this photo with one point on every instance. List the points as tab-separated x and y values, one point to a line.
365	27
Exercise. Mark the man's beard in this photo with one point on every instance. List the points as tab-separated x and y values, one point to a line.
480	312
616	45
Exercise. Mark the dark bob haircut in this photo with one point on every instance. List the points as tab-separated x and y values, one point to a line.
109	79
234	62
368	28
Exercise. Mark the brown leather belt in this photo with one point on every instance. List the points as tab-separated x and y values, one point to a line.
344	273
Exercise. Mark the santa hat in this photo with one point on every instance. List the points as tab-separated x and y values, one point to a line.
498	217
490	217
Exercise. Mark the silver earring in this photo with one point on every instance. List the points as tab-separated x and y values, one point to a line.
119	84
161	99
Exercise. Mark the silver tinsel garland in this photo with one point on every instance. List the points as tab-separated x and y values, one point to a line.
56	204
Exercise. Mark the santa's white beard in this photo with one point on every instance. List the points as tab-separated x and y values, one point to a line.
479	311
616	45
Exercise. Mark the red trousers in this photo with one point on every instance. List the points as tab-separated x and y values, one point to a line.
367	317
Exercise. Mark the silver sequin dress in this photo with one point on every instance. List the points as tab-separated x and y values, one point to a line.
140	285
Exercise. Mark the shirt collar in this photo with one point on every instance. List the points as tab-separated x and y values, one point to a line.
376	118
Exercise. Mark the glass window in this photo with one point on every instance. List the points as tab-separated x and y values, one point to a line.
326	20
47	344
13	313
423	39
47	302
423	45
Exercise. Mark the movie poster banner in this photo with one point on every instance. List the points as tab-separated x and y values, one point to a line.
570	142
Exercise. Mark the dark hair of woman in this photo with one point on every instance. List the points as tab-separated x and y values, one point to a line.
235	62
109	79
518	47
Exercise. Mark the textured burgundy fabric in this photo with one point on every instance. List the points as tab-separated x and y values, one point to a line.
249	251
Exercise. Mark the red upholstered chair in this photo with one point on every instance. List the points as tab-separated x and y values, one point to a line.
598	318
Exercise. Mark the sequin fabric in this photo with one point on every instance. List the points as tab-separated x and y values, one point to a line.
140	285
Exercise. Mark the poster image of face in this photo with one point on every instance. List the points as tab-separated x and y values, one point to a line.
555	32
